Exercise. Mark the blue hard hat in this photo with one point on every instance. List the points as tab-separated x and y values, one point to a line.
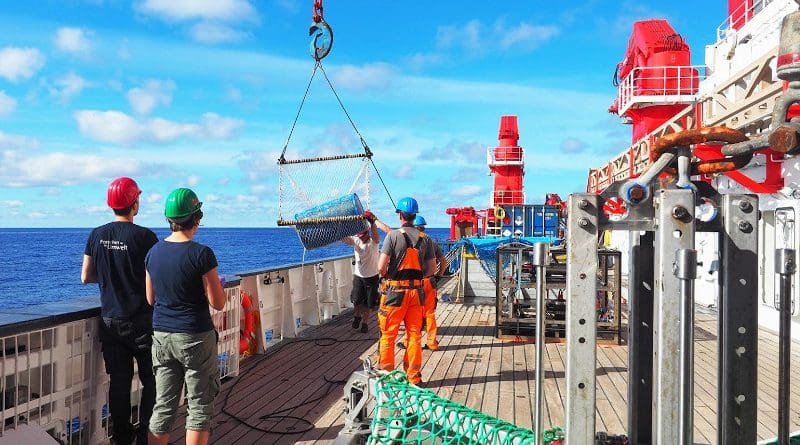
407	205
419	221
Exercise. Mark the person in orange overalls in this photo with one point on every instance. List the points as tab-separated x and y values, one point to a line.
429	285
406	258
431	299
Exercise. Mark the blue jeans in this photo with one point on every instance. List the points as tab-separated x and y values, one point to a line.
191	359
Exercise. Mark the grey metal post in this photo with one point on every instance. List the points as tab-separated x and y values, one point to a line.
582	232
675	231
686	271
738	321
785	266
640	338
540	261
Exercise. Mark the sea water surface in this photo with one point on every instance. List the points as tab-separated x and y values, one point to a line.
44	265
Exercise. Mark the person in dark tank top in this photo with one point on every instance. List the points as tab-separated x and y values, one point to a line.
182	281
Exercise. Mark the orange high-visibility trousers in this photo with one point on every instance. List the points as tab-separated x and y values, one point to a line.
401	307
430	314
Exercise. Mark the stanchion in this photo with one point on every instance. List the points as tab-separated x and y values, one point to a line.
540	261
785	266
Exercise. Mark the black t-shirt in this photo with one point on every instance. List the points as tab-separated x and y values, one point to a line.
176	271
118	250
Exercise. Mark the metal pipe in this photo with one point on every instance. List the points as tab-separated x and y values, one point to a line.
540	261
785	266
686	271
684	165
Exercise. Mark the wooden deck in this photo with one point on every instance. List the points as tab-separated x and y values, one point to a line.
294	394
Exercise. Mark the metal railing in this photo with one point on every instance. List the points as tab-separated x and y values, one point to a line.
659	84
740	17
507	197
53	376
499	156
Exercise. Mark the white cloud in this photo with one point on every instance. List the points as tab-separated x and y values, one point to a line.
20	63
207	32
68	86
372	76
455	149
246	199
573	145
7	104
11	142
109	126
223	181
211	197
73	40
193	180
477	38
153	93
119	128
218	127
183	10
405	171
467	190
419	61
466	36
60	169
12	203
153	198
259	189
527	35
94	210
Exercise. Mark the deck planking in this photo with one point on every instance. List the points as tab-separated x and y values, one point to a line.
472	367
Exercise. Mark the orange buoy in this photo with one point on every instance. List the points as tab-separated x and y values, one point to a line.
247	337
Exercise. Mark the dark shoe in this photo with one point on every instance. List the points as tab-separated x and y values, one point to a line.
364	327
400	345
356	322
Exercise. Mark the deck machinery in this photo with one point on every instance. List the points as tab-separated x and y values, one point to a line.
703	205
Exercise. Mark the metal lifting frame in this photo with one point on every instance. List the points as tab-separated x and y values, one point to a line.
662	268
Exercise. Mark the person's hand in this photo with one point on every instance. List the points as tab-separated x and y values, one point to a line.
369	216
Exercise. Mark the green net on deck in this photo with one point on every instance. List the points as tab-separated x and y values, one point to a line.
406	414
794	439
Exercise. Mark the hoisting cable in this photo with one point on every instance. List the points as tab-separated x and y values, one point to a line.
320	46
282	159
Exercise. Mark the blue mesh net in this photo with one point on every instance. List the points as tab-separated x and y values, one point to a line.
486	249
321	234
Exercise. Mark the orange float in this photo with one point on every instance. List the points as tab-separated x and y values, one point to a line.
249	318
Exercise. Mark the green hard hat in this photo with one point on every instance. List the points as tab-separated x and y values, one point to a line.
181	203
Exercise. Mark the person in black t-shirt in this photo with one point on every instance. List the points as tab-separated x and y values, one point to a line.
114	258
182	281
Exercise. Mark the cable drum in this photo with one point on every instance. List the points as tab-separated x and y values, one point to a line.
338	218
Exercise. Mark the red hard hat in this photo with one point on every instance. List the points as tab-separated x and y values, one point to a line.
122	193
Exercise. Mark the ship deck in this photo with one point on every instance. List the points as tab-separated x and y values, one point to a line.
294	393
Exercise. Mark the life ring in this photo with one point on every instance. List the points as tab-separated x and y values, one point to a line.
247	330
499	212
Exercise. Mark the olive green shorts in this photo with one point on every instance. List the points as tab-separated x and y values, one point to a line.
189	359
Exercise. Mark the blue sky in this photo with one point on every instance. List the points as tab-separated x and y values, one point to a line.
203	93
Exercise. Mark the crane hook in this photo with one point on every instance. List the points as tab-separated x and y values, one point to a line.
321	34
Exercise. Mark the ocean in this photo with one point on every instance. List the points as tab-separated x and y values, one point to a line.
44	265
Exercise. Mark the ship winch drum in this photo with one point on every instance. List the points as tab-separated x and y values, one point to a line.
323	233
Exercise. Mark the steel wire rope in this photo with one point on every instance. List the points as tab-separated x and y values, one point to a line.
367	150
299	109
